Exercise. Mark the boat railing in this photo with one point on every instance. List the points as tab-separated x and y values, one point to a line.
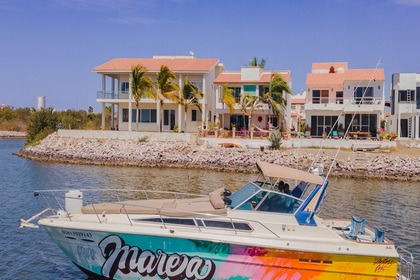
405	264
162	212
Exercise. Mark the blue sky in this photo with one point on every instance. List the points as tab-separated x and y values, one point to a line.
49	47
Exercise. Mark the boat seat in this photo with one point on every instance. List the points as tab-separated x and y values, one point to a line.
99	208
356	227
379	235
212	204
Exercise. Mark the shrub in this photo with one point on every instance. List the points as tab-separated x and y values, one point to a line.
275	139
143	139
41	123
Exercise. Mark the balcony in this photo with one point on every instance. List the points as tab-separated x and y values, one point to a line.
348	104
408	107
112	95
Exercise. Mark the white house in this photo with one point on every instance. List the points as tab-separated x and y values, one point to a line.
405	105
354	97
116	92
254	81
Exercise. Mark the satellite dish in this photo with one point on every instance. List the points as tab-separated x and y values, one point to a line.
191	53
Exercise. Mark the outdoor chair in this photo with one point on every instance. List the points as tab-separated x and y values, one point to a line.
335	134
356	227
379	235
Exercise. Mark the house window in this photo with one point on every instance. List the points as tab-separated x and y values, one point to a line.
363	95
250	89
406	96
362	122
125	86
324	96
236	93
321	124
148	115
134	115
195	116
418	98
199	85
125	115
316	96
339	97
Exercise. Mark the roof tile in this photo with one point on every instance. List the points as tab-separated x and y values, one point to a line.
154	64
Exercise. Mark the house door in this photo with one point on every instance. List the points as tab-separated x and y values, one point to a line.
168	120
404	128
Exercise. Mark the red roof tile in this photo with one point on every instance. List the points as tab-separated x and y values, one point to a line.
325	79
365	75
298	100
154	64
348	75
235	78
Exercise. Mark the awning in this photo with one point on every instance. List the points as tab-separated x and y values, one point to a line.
279	171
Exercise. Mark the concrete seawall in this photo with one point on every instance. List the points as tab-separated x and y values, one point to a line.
132	149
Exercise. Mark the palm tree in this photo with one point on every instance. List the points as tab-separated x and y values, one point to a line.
190	96
274	97
140	85
164	89
228	98
248	105
254	62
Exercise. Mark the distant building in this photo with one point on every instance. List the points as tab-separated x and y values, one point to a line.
405	105
254	81
335	92
298	110
41	102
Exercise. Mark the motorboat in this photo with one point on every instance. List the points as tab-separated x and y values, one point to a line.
257	232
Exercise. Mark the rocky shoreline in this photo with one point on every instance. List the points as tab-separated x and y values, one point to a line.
184	155
12	134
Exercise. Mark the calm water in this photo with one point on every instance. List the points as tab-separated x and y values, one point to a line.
30	253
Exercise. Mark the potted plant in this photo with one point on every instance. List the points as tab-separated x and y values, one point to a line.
340	130
233	125
308	131
324	133
393	136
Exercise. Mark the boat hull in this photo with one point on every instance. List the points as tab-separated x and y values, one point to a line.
109	255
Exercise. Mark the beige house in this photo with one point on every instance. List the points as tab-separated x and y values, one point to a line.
116	92
253	81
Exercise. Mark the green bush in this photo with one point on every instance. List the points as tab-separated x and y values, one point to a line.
41	123
275	139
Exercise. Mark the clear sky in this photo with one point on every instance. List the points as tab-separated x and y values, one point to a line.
49	47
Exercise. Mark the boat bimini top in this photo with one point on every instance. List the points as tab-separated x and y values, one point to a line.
262	196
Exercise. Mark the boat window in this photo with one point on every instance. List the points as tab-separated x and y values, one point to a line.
279	203
206	223
227	225
243	194
253	202
186	222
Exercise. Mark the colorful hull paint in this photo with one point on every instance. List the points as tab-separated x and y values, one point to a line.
127	256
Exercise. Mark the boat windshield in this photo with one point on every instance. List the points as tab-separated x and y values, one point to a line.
253	198
243	194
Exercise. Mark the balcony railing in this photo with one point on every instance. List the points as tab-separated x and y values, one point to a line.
367	100
112	95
